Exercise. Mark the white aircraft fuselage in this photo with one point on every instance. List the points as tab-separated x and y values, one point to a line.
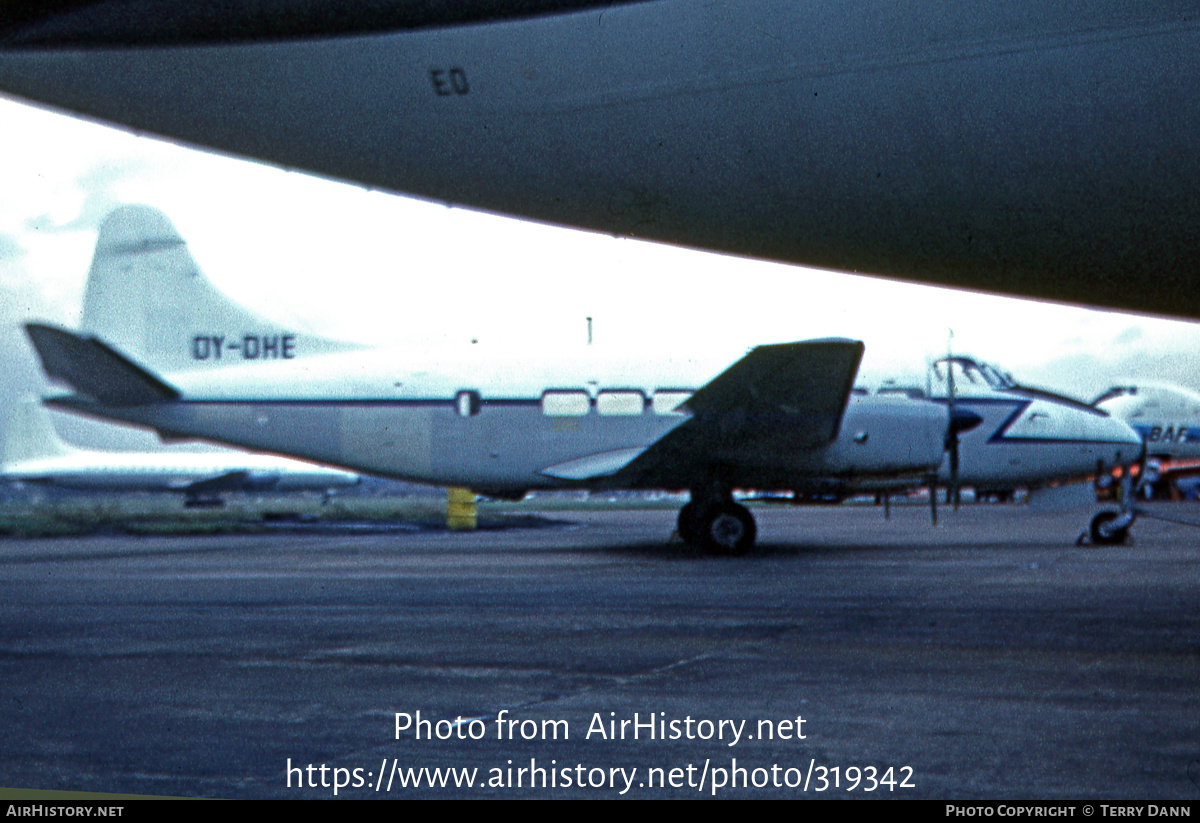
1040	148
538	422
365	411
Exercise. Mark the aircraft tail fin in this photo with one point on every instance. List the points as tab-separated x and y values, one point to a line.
31	435
95	370
146	296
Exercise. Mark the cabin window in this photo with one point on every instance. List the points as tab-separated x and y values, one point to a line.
668	402
468	403
623	403
565	403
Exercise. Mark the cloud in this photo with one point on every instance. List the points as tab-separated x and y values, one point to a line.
1129	335
98	185
1085	375
10	247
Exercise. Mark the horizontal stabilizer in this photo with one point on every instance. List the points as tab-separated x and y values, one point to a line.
92	368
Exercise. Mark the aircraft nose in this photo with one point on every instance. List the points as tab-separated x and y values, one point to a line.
1134	445
1114	442
1124	434
1078	439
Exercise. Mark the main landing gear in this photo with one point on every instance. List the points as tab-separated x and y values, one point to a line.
717	526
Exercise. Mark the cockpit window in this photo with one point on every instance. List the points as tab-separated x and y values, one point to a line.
974	375
967	371
1115	392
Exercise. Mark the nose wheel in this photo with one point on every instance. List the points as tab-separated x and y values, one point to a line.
1110	528
719	528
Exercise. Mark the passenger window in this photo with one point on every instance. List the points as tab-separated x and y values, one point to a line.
668	402
468	403
625	403
565	403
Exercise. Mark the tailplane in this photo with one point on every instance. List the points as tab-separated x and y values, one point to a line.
94	370
147	297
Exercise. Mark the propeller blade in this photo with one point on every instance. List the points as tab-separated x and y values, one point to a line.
954	496
951	431
961	420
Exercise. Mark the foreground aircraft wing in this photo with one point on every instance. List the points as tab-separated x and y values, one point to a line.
1034	148
787	397
92	368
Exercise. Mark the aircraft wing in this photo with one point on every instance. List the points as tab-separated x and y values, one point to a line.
92	368
1030	148
811	380
777	399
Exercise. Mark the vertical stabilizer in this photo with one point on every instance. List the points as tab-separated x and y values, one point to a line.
31	435
146	297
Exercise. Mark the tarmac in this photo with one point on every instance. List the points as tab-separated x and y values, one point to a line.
586	655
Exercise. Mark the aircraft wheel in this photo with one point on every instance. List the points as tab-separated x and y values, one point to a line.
1099	538
727	529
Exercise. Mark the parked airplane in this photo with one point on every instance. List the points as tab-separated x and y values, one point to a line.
1048	148
34	453
1168	419
779	417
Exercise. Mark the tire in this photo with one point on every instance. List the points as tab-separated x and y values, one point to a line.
727	529
1099	538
